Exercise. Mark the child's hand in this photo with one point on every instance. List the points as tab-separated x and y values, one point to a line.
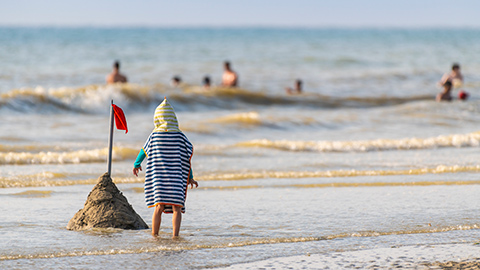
135	170
193	182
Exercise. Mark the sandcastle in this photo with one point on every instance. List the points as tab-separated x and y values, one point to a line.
106	207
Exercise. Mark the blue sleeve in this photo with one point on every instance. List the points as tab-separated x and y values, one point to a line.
141	156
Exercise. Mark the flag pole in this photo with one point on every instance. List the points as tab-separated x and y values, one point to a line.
110	141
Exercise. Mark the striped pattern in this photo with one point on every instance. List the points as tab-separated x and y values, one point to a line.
168	153
165	119
168	169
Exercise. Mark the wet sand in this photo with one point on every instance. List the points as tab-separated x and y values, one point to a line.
469	264
451	256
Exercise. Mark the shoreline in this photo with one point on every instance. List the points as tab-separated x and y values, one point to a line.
441	256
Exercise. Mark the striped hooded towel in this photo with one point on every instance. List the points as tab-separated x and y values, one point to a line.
168	153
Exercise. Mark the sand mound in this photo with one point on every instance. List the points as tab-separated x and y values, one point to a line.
106	207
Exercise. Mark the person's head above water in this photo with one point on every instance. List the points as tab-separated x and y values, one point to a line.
165	119
226	65
176	80
206	81
456	67
115	76
298	83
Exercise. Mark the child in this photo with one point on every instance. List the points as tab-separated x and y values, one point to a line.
169	171
176	81
455	76
297	89
206	82
445	95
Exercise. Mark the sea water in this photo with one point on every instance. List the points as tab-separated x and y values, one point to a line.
364	158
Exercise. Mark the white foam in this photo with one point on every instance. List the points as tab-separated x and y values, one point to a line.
454	140
410	257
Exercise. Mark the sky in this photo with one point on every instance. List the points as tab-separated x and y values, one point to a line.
227	13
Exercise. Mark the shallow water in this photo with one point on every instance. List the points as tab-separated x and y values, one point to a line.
364	159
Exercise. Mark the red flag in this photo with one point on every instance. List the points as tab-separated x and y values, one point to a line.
120	119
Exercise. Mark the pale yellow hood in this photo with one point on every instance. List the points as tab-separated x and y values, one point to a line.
165	119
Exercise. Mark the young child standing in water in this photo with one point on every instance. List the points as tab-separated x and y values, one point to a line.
446	93
169	171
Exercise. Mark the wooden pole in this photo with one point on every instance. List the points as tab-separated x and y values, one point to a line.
110	142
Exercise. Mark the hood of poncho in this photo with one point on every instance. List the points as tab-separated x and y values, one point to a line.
165	119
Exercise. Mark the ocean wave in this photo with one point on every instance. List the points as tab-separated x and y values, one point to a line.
426	228
54	179
33	193
67	157
31	154
178	246
456	140
336	173
254	119
94	99
233	242
27	148
247	118
339	185
49	179
88	99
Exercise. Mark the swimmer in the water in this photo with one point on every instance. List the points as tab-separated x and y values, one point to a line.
229	78
206	82
116	76
297	89
455	76
176	81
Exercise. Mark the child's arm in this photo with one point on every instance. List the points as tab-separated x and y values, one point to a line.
137	165
190	179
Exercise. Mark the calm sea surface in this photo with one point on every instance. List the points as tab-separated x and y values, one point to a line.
364	158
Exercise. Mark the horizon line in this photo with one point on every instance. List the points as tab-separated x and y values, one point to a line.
247	26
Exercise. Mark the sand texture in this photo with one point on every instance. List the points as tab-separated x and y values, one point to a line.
470	265
106	207
448	256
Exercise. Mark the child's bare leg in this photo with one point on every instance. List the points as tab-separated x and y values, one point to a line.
157	219
176	219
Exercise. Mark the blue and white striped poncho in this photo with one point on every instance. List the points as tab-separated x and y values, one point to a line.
169	153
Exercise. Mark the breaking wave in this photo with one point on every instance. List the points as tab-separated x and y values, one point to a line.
337	173
30	154
47	179
253	119
95	99
456	140
68	157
